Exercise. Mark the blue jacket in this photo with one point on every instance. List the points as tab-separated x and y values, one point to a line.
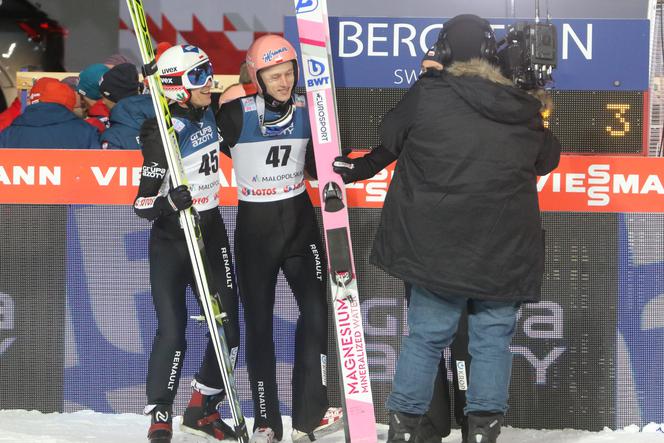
127	116
49	125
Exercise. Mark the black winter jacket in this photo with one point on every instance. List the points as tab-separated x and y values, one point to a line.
461	216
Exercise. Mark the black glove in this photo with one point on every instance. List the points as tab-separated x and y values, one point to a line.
176	200
362	168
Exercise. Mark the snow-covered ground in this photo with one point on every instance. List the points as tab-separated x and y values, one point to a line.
17	426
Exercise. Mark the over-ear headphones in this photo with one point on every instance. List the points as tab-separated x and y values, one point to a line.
487	48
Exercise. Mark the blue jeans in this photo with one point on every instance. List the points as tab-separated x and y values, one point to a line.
432	323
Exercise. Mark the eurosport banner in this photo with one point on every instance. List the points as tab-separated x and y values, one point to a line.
580	183
381	52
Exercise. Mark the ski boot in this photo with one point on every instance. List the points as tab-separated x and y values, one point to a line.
403	427
483	427
331	422
202	417
263	435
161	426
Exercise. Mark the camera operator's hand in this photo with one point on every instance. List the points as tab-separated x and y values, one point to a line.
176	200
362	168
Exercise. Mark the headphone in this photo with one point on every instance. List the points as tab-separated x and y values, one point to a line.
487	48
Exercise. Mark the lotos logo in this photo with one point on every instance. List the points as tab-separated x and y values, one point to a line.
305	6
316	68
190	48
273	54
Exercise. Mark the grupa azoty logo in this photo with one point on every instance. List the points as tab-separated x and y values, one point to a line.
306	6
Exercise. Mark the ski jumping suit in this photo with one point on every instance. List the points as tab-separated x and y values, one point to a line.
276	228
170	265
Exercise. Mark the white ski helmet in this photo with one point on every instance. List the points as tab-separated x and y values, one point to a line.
183	68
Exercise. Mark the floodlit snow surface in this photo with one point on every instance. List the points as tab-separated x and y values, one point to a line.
17	426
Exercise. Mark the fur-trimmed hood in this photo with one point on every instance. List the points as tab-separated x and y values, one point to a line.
484	88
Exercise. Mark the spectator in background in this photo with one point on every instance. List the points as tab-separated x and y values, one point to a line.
114	60
8	115
242	89
88	86
161	47
49	121
72	82
120	90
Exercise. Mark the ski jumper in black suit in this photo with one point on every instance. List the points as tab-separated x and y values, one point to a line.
170	265
276	229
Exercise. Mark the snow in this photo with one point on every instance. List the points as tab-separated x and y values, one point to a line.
19	426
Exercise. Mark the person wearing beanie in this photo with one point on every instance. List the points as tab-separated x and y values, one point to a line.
436	423
88	87
120	89
48	122
468	141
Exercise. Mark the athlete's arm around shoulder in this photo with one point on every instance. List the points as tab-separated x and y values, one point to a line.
229	121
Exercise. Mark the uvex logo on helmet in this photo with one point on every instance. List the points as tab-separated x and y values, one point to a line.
274	54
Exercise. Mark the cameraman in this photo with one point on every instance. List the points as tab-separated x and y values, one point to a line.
461	223
436	423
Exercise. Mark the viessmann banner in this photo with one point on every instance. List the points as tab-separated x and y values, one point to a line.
580	183
380	52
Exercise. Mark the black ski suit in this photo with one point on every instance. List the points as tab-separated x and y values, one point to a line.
276	229
170	265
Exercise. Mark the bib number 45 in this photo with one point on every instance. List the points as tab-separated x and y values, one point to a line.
209	163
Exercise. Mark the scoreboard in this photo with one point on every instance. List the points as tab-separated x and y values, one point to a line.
591	122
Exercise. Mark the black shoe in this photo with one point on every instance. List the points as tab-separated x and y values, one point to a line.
403	427
484	427
161	427
202	417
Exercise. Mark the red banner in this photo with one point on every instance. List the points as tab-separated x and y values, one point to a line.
581	183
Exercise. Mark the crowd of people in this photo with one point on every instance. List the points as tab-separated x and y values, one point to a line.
460	225
108	97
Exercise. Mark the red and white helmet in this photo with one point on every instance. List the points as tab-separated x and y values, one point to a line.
183	68
266	51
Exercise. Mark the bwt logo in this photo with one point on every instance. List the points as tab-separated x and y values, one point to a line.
306	6
316	69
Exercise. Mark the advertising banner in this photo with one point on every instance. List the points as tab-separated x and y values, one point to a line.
381	52
580	183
